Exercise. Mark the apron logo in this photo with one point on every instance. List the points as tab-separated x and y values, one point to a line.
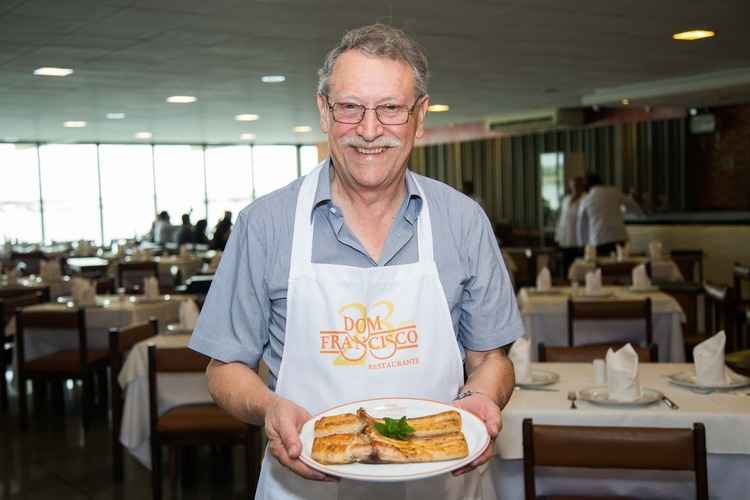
369	337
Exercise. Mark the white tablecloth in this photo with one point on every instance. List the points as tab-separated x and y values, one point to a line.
111	312
175	389
661	270
546	320
726	417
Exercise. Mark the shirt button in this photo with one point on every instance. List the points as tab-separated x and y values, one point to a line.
333	210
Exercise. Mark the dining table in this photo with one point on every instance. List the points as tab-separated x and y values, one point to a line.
725	415
661	269
545	318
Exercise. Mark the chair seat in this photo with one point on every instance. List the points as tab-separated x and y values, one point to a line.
199	418
64	362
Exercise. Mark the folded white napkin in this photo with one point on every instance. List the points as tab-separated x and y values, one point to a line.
589	252
640	277
594	281
188	315
623	252
708	357
544	280
520	356
656	250
83	291
184	251
622	374
50	270
151	288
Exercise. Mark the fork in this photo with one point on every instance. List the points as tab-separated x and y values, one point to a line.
572	398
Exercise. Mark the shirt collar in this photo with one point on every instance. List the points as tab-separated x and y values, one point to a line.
323	193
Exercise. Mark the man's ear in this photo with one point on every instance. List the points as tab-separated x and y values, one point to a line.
325	121
421	114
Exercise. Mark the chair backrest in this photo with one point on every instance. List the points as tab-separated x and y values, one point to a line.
178	360
10	304
617	273
69	318
588	353
719	315
131	274
105	286
606	310
741	274
690	263
615	447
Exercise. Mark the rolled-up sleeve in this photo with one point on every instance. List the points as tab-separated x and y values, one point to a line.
489	313
233	324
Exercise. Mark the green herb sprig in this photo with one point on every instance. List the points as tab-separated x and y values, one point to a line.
394	428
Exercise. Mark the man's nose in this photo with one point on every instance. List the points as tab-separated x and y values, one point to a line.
370	128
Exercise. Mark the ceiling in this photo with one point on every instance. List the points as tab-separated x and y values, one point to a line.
487	57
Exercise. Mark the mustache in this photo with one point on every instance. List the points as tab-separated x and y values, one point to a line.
382	142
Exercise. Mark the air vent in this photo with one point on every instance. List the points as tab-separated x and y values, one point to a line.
536	120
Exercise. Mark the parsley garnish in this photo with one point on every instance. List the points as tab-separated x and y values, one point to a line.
396	429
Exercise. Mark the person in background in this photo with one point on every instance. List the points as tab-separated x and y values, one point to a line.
221	232
566	233
199	236
162	228
186	233
600	216
361	236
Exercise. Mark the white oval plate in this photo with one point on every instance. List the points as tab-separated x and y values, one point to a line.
473	428
540	378
688	379
646	289
599	395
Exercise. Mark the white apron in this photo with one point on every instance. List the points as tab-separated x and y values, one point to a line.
358	333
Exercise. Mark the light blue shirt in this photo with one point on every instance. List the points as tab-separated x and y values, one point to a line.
244	315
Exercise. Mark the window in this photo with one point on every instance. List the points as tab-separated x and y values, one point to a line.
127	179
19	193
70	188
273	167
228	182
180	181
308	156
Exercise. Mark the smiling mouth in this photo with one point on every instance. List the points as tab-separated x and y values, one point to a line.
370	151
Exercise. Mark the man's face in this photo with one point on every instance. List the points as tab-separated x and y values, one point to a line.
370	154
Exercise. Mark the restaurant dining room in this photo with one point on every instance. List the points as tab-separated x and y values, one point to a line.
283	249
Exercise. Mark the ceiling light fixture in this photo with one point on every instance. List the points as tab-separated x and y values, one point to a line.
692	35
74	124
181	99
246	117
143	135
273	78
438	108
115	116
625	102
302	129
247	136
50	71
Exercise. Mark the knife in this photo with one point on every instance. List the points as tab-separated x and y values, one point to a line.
669	403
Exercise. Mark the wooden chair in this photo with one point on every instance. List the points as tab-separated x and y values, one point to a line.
105	286
80	364
742	300
614	448
193	424
607	311
120	343
617	273
690	264
8	307
719	315
130	275
588	353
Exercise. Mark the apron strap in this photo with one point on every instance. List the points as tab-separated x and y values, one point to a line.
424	226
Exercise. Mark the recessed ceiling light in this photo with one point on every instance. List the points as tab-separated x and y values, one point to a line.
438	108
247	136
74	124
181	99
246	117
115	116
273	78
625	102
143	135
302	129
50	71
693	35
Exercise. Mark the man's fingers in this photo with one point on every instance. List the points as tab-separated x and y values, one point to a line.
481	459
278	450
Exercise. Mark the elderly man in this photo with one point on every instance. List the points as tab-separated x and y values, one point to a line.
360	241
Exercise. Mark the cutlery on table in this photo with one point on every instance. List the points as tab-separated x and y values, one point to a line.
669	403
572	398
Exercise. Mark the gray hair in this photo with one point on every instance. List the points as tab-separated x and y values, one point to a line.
379	40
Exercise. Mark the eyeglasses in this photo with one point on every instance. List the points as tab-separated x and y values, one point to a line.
387	114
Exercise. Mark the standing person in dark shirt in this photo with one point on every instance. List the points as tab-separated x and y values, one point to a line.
185	234
221	233
199	236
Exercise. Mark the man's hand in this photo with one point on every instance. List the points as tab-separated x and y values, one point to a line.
488	411
284	420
